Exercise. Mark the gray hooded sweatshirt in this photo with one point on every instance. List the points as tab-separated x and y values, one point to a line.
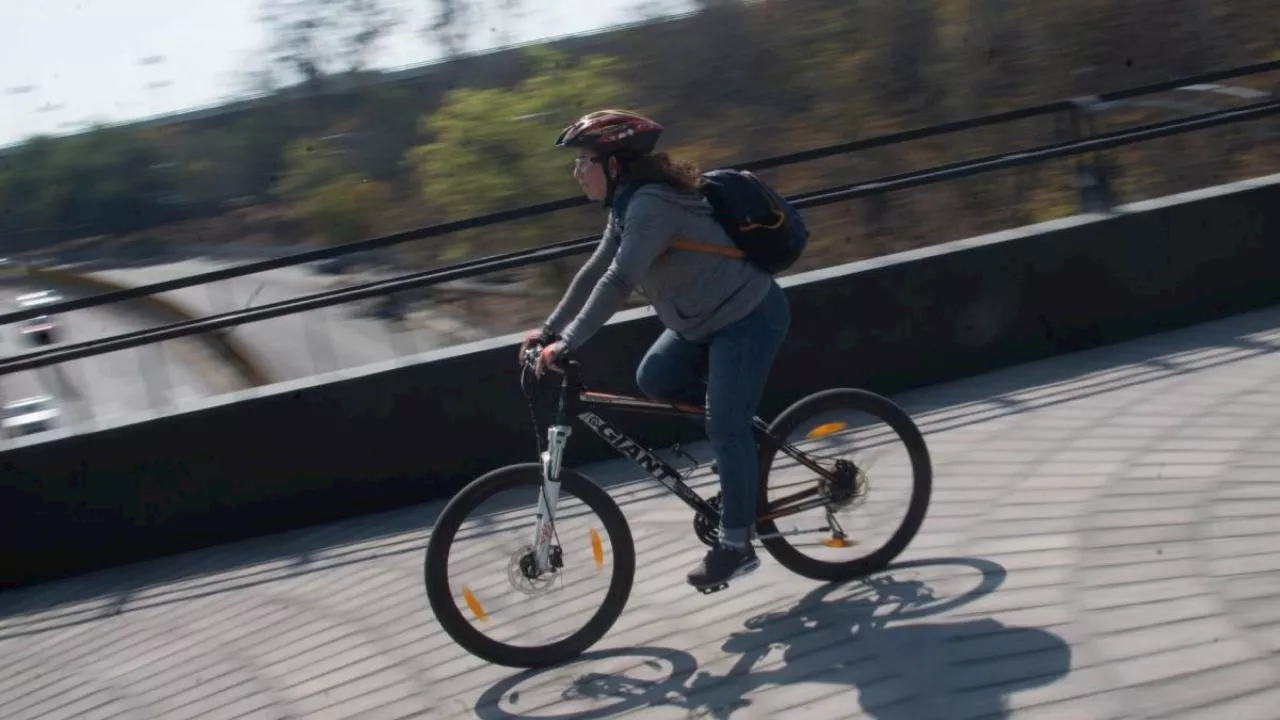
693	293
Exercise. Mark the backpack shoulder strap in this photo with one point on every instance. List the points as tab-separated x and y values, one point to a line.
707	248
621	200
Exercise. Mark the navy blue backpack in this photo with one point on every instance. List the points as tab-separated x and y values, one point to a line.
767	229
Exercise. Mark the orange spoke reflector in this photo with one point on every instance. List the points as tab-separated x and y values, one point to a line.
597	549
474	604
836	543
826	429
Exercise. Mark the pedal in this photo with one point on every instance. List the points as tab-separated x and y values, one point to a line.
713	588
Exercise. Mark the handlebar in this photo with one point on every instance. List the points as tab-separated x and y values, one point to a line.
561	407
532	351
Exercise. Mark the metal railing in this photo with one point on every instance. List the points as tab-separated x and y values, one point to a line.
568	248
1078	107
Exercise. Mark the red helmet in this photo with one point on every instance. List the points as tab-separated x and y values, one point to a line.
609	131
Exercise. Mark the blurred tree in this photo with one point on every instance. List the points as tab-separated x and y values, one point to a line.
309	165
311	39
735	80
494	147
337	202
346	208
451	24
387	125
105	180
454	22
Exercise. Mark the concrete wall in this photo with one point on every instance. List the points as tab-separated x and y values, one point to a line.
297	453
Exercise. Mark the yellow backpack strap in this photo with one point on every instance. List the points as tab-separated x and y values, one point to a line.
707	248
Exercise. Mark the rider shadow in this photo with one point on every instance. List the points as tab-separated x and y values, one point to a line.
859	635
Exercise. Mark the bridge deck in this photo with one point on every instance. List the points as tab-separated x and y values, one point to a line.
1104	542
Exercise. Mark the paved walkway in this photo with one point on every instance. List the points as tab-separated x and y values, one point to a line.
1104	542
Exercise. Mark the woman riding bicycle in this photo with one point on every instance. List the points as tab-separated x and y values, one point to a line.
724	318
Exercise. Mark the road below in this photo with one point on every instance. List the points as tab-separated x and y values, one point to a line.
302	344
1103	544
153	378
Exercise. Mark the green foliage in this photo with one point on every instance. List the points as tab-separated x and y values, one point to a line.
315	38
737	81
492	148
106	178
337	203
309	165
346	208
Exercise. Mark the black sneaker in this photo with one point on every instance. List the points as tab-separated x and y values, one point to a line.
721	564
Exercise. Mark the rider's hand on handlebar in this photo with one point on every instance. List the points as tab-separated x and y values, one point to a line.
530	338
549	358
536	338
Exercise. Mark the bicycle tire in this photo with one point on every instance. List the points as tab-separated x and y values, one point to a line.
922	483
436	578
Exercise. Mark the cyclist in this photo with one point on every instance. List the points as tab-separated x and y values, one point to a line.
724	318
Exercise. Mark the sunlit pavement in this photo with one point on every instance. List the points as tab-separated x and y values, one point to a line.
1104	542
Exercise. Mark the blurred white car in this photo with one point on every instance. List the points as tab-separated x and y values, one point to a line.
42	329
29	415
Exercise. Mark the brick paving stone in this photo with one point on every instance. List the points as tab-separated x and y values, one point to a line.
1103	544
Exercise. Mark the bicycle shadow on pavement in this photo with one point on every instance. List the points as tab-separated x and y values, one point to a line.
862	635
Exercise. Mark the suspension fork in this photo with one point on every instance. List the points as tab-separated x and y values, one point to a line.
544	527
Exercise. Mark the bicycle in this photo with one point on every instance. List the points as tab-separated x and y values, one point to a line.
534	566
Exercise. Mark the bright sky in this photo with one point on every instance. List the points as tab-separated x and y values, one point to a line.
66	62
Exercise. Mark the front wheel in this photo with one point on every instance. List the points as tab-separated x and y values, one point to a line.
494	587
821	527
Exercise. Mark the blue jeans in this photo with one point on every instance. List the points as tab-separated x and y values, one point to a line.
727	371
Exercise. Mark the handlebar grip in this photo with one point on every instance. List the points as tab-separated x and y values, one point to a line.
534	350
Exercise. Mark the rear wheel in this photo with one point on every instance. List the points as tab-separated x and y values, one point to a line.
818	528
492	588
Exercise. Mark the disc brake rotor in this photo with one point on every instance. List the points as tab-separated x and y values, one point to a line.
523	575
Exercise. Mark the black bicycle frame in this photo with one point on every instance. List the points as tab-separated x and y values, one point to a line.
578	402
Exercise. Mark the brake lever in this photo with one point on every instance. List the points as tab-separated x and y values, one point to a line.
531	353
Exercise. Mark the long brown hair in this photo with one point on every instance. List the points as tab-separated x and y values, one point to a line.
682	175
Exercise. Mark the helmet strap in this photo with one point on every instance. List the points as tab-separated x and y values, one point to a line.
611	185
